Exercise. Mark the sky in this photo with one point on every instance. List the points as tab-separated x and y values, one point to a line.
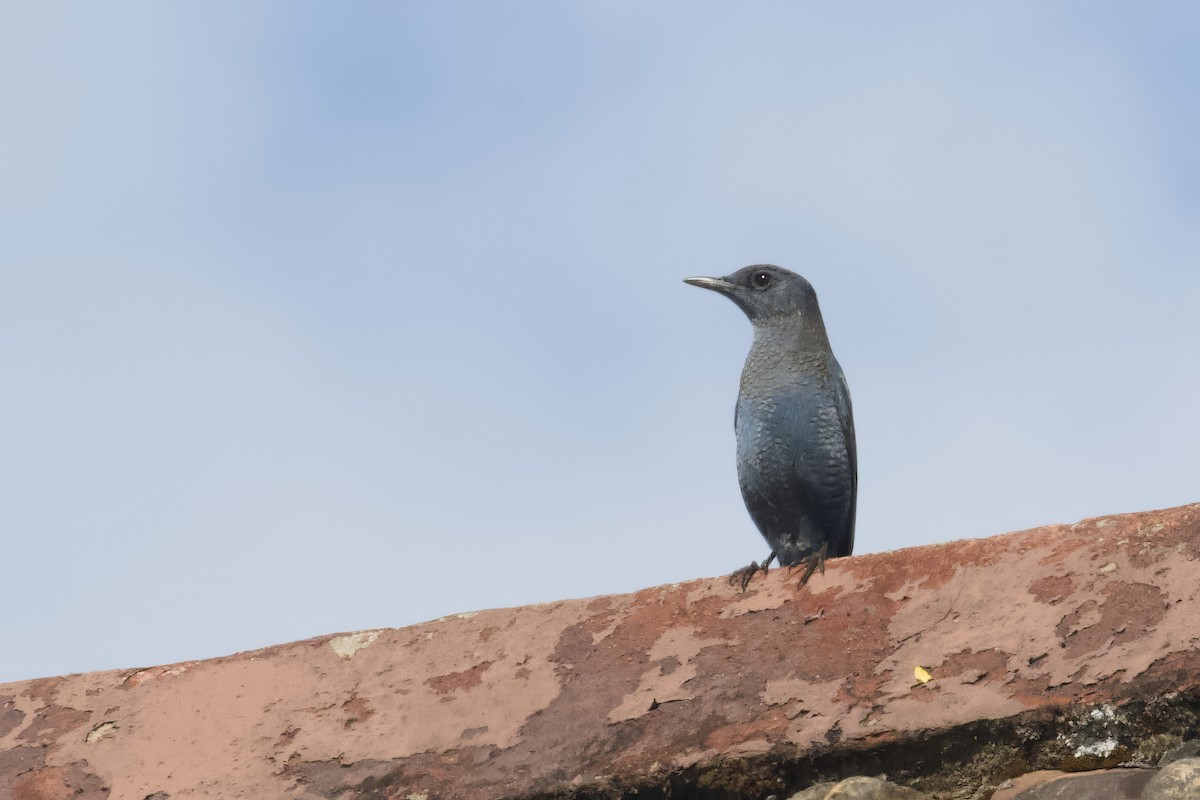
317	317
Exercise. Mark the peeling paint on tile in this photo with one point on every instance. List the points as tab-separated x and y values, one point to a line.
346	646
657	685
100	731
641	687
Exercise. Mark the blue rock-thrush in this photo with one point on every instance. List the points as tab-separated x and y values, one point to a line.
796	458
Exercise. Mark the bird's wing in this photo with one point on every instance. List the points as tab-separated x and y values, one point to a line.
845	411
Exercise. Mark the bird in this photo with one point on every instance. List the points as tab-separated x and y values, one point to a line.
797	460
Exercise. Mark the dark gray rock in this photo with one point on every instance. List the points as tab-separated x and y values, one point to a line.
1188	749
1117	784
1103	784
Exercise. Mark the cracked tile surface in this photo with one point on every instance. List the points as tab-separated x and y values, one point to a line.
506	702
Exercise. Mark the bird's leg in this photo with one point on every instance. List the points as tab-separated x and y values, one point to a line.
815	561
742	576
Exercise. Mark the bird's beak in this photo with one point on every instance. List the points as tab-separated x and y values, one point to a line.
716	284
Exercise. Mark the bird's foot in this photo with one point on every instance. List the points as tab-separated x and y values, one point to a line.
813	562
741	577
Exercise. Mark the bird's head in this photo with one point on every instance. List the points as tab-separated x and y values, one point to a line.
767	294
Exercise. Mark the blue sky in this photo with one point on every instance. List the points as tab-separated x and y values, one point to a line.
316	319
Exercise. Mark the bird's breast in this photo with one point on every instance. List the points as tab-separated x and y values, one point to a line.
788	418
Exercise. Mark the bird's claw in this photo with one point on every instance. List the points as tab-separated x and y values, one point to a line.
815	561
741	577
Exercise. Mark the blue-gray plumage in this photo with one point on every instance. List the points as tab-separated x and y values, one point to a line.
796	458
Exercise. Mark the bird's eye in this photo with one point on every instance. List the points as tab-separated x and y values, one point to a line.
761	279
